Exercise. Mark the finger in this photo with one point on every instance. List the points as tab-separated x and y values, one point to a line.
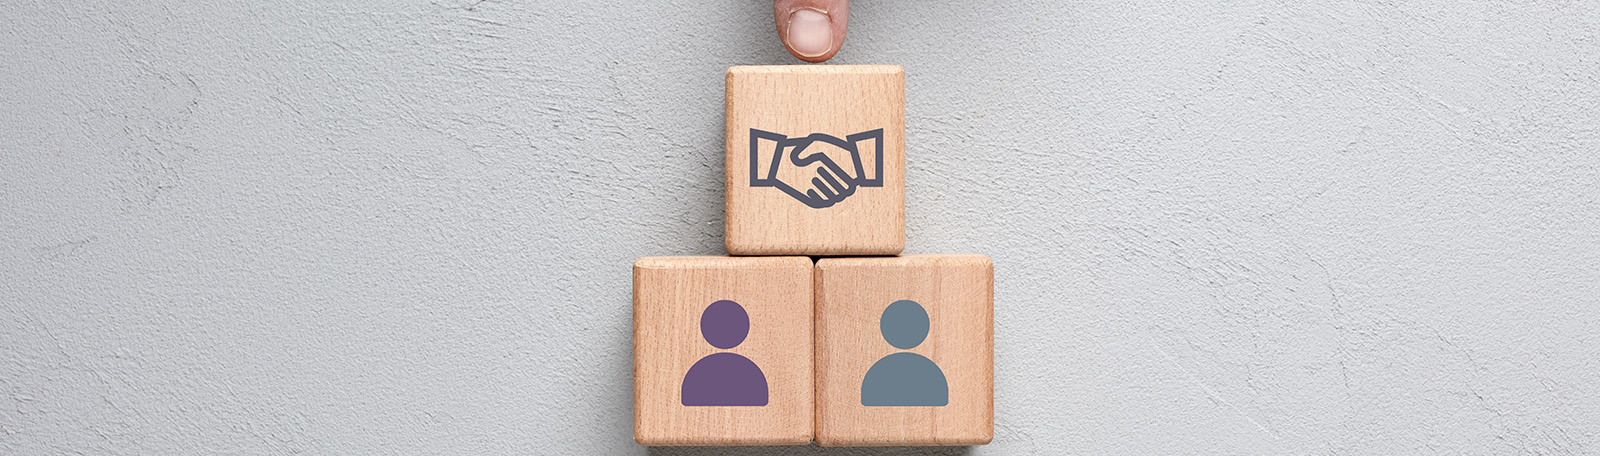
827	176
800	146
827	192
812	30
816	201
829	165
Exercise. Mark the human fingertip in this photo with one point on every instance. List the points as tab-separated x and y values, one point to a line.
810	34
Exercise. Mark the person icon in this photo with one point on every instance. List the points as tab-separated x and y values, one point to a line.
904	379
724	379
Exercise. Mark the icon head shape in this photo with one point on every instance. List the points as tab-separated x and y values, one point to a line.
724	324
904	324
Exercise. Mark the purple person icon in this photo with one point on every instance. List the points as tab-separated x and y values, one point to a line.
724	379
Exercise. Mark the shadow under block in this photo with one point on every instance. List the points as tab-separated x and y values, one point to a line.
860	314
680	311
815	160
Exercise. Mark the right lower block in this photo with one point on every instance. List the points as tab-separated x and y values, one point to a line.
904	350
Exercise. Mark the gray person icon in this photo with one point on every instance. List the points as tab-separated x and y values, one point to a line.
904	379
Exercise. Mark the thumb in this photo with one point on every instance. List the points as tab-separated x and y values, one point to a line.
812	30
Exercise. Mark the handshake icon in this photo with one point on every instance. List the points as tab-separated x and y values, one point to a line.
819	170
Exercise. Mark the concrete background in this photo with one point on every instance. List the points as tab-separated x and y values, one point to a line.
1235	227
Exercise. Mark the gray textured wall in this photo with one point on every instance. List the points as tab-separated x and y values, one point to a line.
1236	227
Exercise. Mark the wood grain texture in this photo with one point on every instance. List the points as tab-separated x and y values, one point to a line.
669	296
798	101
958	293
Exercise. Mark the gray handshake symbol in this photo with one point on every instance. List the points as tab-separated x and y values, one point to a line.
819	170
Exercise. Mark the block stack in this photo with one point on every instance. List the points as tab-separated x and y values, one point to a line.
861	346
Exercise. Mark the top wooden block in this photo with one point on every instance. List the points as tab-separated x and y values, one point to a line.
815	160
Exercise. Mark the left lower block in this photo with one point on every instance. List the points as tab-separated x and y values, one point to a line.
722	350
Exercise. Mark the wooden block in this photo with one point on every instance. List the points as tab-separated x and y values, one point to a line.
722	351
879	380
815	160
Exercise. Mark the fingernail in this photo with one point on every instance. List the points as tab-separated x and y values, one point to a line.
809	32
